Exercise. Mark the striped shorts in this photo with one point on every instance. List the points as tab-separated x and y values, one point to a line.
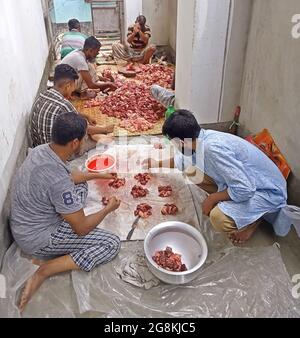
98	247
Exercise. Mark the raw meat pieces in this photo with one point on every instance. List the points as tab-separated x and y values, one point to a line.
138	191
169	209
117	183
92	103
143	210
133	101
169	261
138	124
156	74
143	179
165	191
105	201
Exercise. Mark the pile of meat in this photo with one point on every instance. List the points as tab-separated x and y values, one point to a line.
143	179
105	201
143	210
138	124
92	103
169	261
156	74
165	191
138	191
169	209
133	102
117	183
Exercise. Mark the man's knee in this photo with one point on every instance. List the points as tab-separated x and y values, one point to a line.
220	221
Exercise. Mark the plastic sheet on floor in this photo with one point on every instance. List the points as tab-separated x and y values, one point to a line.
243	283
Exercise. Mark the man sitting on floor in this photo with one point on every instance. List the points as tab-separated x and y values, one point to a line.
53	102
73	39
83	62
138	38
244	184
47	217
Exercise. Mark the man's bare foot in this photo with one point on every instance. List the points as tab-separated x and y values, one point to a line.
242	236
32	285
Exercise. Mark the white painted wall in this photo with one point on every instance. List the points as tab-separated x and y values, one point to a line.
24	50
157	13
271	87
211	45
172	12
132	9
201	41
240	17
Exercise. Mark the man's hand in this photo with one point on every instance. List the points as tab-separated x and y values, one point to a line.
108	86
91	121
150	163
113	204
208	204
110	128
136	28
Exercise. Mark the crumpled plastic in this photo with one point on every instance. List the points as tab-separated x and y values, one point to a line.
234	282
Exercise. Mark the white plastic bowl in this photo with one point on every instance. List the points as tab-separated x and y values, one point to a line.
101	157
184	240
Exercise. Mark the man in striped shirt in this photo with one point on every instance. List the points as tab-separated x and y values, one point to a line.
73	39
138	48
52	103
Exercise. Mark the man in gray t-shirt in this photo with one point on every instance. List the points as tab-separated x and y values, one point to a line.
82	61
47	217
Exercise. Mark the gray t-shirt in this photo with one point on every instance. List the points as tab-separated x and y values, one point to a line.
77	60
42	191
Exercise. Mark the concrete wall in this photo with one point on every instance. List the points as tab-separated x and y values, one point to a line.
238	30
132	8
24	51
172	13
157	13
270	94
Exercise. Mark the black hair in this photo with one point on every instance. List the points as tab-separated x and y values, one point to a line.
91	43
141	19
68	127
65	72
181	124
73	24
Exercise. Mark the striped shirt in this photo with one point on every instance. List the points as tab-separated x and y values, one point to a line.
46	108
137	43
71	41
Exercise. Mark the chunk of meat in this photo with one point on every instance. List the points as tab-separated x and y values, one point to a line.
105	201
169	261
92	103
138	191
143	179
143	210
165	191
169	209
158	146
117	183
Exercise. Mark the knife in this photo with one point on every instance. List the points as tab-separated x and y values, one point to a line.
134	225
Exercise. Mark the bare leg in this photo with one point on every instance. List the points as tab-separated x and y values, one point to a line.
148	55
242	236
46	270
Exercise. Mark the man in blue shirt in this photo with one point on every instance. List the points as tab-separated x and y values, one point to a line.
243	183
